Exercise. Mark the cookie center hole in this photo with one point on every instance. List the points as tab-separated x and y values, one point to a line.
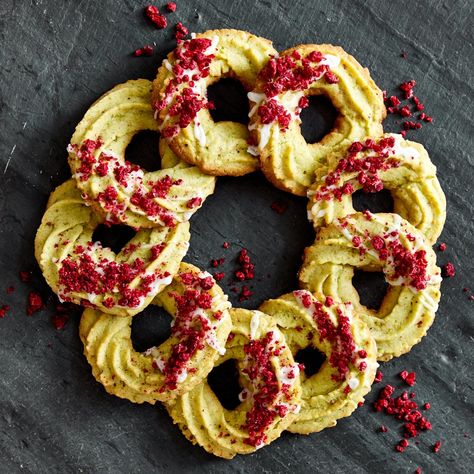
114	237
230	101
311	358
374	202
318	119
224	382
150	328
371	287
248	212
143	150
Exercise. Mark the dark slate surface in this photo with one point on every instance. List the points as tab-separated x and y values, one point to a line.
56	58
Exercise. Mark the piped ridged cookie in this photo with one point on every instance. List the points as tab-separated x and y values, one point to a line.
123	192
84	272
388	162
201	325
270	398
282	91
182	107
378	242
348	371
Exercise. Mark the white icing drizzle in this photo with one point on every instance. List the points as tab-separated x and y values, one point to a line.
353	383
403	151
199	132
331	61
254	323
289	374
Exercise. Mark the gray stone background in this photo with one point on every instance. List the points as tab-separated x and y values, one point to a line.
56	58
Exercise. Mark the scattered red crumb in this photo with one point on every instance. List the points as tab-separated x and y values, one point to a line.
219	276
442	247
448	270
378	377
360	404
383	429
226	245
404	55
279	207
35	303
25	277
245	293
426	406
402	445
408	109
408	377
246	269
471	298
155	16
146	50
59	321
437	446
180	31
217	262
3	310
10	290
171	7
194	202
418	470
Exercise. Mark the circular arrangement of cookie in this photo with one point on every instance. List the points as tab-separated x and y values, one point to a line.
391	162
270	399
200	327
181	104
82	271
378	242
282	91
346	376
122	191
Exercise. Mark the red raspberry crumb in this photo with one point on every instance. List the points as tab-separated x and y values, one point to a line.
219	276
405	111
418	470
245	293
147	50
154	15
180	31
437	446
279	207
408	377
442	247
378	377
426	406
226	245
3	310
59	321
449	270
383	429
401	446
35	303
171	7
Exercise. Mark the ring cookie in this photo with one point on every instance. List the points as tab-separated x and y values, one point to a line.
201	324
391	162
270	398
84	272
378	242
346	376
122	191
282	91
181	104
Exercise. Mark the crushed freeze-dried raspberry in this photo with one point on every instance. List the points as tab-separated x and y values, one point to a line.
59	321
226	245
3	310
383	429
245	293
171	7
448	270
146	50
35	303
180	31
408	377
378	377
442	247
437	446
155	16
219	276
